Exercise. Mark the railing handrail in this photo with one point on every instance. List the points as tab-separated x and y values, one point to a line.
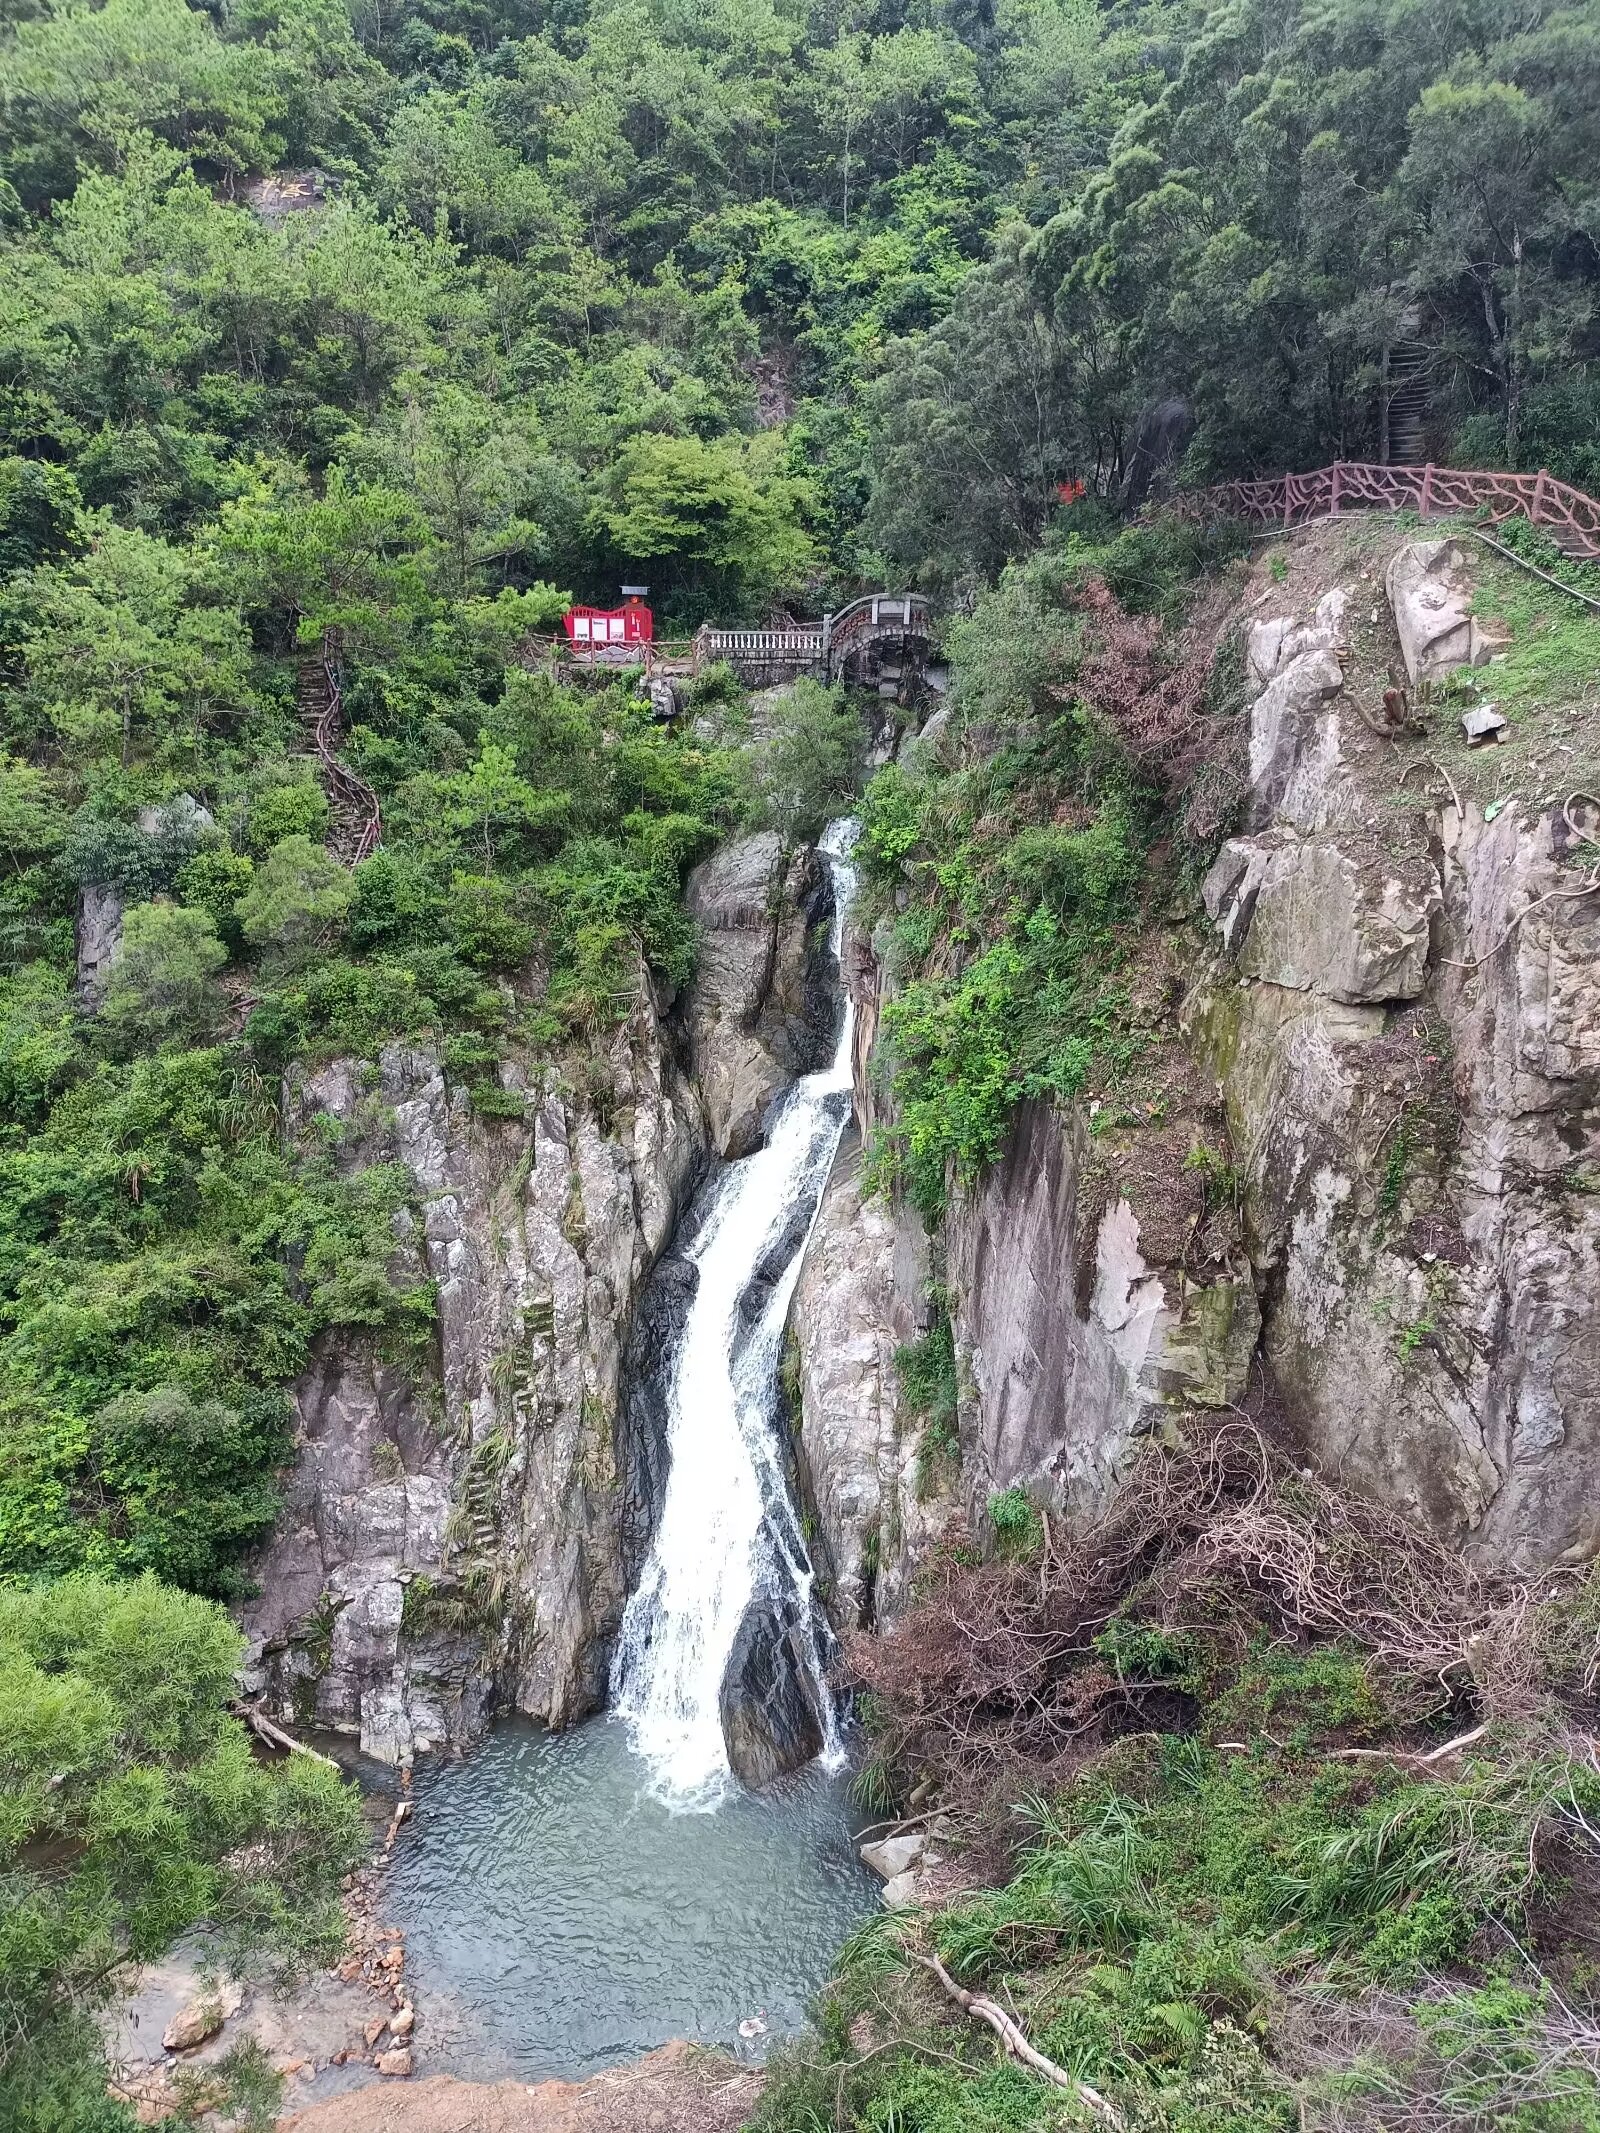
790	643
1567	514
349	784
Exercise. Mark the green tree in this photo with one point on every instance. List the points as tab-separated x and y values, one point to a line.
163	980
132	1809
296	902
122	656
498	808
720	519
811	762
347	560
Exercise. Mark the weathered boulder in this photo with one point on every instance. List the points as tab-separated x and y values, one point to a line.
893	1855
762	1007
1338	916
445	1548
772	1719
1232	884
1429	584
1296	742
1276	644
203	2016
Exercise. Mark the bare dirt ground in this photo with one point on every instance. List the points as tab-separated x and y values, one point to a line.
679	2089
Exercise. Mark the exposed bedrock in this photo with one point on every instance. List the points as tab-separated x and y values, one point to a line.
863	1293
763	1006
458	1542
1093	1291
1389	1066
1405	1025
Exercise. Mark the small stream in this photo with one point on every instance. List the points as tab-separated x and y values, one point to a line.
572	1900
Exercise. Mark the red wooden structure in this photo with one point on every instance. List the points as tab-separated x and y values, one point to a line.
1570	518
592	627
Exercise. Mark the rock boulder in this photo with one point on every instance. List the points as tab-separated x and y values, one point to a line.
1430	591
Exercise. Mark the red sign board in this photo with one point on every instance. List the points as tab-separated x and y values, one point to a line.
587	626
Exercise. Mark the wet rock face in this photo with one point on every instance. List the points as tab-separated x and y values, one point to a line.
770	1716
763	1007
862	1295
1082	1318
643	1410
1406	1029
458	1544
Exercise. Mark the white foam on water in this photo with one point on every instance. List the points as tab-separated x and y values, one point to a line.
726	1528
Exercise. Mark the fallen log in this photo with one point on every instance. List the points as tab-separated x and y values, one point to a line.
1016	2045
258	1722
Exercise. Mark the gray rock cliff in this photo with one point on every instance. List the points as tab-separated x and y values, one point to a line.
457	1544
763	1003
1405	1025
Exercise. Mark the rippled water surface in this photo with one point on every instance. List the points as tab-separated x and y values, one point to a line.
559	1918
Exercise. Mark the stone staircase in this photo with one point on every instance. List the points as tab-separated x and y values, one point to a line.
357	823
1406	412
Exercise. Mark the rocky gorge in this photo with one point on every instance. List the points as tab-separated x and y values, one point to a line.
463	1540
1387	1043
1353	1202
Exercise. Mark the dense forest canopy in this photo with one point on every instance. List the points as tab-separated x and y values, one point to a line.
755	299
391	326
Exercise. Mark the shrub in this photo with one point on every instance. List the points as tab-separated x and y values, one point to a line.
163	980
284	811
296	903
810	763
213	881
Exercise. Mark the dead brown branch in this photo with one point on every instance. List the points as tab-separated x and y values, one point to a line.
268	1730
995	1674
1015	2043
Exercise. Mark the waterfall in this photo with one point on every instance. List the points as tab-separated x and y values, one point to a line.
727	1527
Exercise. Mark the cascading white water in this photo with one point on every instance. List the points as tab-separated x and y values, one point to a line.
725	1521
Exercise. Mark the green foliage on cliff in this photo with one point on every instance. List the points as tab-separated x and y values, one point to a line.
1013	861
132	1808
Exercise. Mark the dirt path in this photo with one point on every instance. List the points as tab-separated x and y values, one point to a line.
678	2089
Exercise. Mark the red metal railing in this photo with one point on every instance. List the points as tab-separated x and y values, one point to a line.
1570	518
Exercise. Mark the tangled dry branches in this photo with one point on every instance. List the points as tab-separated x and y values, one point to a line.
1223	1536
1153	697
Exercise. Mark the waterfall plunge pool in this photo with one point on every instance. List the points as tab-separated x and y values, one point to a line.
572	1900
561	1918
